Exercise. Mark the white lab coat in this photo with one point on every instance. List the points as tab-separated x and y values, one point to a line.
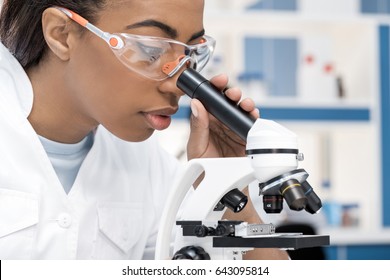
113	208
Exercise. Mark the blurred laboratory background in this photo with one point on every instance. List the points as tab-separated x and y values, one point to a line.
320	68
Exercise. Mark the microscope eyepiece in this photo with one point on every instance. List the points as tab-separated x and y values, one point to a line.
196	86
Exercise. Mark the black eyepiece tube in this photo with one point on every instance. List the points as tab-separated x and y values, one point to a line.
196	86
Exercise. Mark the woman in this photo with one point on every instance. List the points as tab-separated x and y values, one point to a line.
82	176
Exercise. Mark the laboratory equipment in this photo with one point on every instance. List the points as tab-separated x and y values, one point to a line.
272	161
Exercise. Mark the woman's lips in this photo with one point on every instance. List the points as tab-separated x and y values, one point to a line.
158	122
160	119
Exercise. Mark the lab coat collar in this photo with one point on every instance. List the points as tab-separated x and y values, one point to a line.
10	68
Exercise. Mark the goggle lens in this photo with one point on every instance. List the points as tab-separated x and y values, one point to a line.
151	56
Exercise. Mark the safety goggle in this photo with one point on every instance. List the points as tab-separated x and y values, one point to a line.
152	57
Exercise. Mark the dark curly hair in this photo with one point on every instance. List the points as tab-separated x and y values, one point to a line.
21	25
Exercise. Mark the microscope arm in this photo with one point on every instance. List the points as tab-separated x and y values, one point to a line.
238	173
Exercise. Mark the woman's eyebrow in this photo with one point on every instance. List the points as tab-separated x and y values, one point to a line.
171	32
197	35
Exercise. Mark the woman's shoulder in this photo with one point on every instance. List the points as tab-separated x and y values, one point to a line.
15	86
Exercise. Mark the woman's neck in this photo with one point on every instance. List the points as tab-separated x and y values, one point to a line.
54	114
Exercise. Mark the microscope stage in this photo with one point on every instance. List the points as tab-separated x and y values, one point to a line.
288	241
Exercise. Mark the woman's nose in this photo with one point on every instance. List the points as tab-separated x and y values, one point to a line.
169	85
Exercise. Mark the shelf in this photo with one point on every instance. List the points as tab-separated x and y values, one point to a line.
316	114
339	114
354	236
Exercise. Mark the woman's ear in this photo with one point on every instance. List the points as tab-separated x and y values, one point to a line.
56	31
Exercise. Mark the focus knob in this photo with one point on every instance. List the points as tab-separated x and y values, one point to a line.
191	253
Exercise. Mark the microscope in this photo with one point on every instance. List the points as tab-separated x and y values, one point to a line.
195	215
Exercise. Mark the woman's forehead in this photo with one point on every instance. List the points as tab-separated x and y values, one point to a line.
167	9
163	6
182	15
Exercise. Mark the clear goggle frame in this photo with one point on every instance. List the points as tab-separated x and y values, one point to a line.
152	57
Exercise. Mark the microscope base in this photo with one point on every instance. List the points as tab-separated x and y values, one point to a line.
278	241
